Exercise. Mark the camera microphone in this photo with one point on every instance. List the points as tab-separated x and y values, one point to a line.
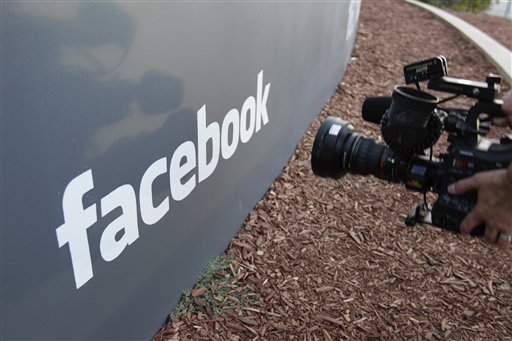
375	107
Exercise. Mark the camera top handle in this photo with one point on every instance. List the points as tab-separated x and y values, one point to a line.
435	71
484	92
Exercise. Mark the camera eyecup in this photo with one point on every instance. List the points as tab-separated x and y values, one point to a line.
411	108
407	125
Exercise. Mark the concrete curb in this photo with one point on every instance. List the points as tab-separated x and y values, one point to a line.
497	54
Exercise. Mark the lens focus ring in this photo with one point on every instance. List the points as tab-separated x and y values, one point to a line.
367	155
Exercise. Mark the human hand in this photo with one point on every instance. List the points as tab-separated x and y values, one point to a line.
507	110
494	204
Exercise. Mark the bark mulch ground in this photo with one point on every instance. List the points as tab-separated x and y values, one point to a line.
321	259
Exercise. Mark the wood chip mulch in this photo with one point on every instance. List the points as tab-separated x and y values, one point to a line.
333	259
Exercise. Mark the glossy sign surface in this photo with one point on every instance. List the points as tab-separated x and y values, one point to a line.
135	139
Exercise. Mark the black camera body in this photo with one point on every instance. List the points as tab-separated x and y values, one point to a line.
411	122
461	160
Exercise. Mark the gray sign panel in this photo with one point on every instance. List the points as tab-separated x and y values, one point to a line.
135	138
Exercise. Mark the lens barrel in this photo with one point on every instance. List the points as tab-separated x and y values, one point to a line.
337	149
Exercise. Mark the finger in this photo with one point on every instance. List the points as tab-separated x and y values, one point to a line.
500	121
491	234
464	185
470	221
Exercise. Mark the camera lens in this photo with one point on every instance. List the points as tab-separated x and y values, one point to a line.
337	149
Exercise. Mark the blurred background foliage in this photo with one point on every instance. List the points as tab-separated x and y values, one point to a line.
474	6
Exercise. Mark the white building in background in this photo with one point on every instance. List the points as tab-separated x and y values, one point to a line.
501	9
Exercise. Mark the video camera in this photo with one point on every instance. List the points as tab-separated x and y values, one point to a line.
411	122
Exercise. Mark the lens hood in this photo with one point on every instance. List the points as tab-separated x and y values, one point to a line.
332	147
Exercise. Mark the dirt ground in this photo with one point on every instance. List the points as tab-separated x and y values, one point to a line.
322	259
